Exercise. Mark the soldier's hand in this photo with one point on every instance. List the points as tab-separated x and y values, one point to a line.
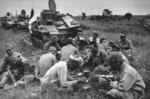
114	84
81	80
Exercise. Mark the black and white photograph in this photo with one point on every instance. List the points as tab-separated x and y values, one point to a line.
74	49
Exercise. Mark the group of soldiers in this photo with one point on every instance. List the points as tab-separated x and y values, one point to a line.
57	63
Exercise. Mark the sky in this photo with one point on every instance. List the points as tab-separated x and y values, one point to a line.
76	7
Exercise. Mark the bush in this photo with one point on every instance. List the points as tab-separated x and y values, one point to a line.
92	17
128	16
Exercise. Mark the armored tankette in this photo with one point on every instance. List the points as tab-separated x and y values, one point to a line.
51	23
8	21
22	20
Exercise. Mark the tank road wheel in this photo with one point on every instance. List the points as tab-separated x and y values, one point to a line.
6	26
32	39
14	28
3	24
18	26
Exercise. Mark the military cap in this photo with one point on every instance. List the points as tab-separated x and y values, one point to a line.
52	48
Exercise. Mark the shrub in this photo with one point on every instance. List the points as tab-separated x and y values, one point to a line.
92	17
128	16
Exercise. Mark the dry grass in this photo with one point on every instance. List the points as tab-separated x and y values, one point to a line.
110	29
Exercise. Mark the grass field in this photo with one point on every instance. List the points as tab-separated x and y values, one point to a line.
110	29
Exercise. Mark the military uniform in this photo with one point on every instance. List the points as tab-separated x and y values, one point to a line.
127	45
16	63
49	44
129	85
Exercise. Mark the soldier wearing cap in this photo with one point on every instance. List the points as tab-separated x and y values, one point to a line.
46	61
102	43
128	84
125	43
12	66
94	37
80	41
53	42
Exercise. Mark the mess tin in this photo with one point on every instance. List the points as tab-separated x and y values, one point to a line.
86	73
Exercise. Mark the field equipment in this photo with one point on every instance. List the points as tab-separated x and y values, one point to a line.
22	20
51	23
7	22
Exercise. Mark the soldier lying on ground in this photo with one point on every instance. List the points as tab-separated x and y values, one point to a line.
13	66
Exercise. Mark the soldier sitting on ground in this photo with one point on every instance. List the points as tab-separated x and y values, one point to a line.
53	42
80	41
128	84
90	58
94	37
13	66
57	75
68	50
102	43
125	44
46	61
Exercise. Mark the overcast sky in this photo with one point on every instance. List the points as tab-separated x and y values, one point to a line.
75	7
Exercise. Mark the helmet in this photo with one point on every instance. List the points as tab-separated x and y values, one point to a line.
122	35
52	49
54	39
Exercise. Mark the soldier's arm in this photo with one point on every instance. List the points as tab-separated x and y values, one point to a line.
54	60
130	45
59	48
126	82
46	46
62	75
3	64
11	75
22	58
36	71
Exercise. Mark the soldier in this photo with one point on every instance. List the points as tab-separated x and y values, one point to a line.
128	84
46	61
53	42
13	66
102	43
57	75
94	37
83	16
68	50
80	41
125	44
